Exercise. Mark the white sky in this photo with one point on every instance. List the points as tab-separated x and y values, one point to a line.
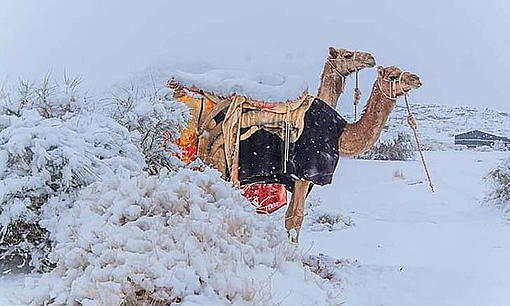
458	48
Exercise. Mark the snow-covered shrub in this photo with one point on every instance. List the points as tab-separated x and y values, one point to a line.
329	268
500	146
171	238
401	147
330	222
500	182
318	219
51	98
154	119
47	152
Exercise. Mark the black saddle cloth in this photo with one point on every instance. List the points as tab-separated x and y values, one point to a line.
313	157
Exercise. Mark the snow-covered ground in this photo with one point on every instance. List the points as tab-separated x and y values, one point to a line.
414	247
11	287
406	245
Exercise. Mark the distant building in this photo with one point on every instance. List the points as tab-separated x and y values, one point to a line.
478	138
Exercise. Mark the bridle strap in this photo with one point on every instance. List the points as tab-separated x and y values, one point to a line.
393	87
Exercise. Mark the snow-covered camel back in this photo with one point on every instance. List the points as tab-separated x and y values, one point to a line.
261	87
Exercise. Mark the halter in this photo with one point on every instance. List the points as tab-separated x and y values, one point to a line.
393	87
329	61
357	91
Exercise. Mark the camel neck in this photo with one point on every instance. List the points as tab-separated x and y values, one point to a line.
360	136
331	86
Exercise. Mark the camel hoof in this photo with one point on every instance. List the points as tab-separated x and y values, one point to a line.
293	235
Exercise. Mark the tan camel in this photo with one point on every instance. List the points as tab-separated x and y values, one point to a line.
360	136
339	64
356	138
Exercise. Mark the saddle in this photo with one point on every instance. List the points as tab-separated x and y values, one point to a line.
222	122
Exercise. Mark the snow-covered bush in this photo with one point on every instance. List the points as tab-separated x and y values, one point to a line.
329	268
49	149
154	118
172	238
500	182
319	219
330	222
401	147
500	146
51	98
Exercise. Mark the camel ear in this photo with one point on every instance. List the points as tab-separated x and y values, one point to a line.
380	71
333	52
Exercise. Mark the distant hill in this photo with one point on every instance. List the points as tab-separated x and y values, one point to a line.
438	124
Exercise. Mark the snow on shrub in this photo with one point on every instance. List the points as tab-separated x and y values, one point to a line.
49	150
401	147
321	219
500	146
179	237
500	182
154	118
51	98
330	268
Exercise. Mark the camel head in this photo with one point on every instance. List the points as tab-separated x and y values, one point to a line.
393	82
347	62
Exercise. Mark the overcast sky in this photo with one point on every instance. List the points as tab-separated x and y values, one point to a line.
458	48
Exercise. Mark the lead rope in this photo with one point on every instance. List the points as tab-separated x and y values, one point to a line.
357	97
412	124
286	139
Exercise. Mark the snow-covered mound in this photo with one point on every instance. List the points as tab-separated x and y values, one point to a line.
46	160
262	87
183	236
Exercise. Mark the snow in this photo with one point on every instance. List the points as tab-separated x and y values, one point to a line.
45	160
438	124
415	247
387	240
405	246
176	236
262	87
11	288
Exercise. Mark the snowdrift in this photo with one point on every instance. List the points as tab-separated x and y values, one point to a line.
183	236
262	87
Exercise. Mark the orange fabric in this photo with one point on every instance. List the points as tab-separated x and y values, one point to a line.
188	142
267	197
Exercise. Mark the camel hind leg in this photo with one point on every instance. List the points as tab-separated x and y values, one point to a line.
296	210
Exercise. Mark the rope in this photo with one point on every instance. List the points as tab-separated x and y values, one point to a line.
412	124
357	97
337	72
286	139
357	91
390	96
411	121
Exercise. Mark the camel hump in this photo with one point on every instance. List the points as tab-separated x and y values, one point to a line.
271	88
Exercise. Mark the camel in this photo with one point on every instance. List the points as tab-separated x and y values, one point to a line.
358	137
347	139
339	64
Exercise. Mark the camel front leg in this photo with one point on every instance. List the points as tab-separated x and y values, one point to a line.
296	210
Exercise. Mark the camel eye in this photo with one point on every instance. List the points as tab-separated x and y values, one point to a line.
348	55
